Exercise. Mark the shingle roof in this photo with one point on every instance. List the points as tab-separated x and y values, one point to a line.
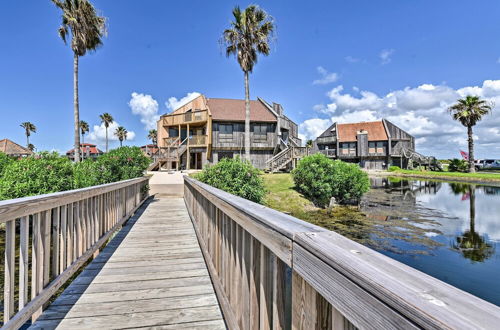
83	149
376	131
11	148
234	110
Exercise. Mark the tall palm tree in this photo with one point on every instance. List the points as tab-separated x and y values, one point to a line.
31	147
121	134
87	29
153	136
468	112
84	128
250	34
106	119
28	129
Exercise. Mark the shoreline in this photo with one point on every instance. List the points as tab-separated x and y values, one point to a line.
481	181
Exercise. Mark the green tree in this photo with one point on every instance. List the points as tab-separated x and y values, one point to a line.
106	119
153	136
121	134
250	34
468	112
28	129
84	128
87	28
309	143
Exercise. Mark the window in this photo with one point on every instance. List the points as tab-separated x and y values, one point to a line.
377	147
372	147
380	147
226	129
260	129
348	148
173	132
225	154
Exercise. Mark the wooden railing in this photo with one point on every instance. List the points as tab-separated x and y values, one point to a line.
186	117
326	140
273	271
329	152
198	140
58	233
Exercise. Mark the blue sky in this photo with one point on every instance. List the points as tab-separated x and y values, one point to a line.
405	60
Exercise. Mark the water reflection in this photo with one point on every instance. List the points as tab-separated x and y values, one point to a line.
448	230
470	244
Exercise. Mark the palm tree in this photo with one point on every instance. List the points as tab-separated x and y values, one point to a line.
468	112
87	29
106	119
31	147
250	33
84	128
121	134
28	129
153	136
309	143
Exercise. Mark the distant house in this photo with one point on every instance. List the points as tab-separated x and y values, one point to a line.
87	150
149	150
206	130
13	149
374	145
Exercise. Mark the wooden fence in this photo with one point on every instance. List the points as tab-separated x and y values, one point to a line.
273	271
58	233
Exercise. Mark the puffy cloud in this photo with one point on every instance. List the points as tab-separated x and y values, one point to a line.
422	111
326	77
173	103
146	107
98	134
385	56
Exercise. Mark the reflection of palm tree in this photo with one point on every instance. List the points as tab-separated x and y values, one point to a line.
459	188
472	245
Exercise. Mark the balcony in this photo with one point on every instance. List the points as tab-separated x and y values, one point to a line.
329	152
326	140
198	140
185	118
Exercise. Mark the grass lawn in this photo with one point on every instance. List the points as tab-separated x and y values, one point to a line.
481	176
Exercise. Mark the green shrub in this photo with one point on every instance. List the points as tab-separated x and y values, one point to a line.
85	174
36	175
320	178
4	161
236	177
458	165
394	168
121	164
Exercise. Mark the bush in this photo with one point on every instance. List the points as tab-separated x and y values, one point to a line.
45	173
394	168
85	174
121	164
458	165
320	178
236	177
4	161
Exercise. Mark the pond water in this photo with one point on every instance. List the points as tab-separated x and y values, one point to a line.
448	230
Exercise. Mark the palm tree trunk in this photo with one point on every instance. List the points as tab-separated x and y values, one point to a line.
472	208
247	118
27	140
121	143
106	139
472	169
83	138
77	109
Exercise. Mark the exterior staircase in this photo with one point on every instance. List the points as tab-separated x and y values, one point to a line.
167	155
414	157
286	159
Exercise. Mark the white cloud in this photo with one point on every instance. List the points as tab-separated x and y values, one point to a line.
385	55
326	77
422	111
146	107
173	103
351	59
98	134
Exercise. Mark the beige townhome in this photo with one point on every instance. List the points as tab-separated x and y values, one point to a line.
205	130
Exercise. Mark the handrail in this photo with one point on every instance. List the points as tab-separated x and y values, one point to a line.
67	229
336	283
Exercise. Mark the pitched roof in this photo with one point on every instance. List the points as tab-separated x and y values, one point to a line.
83	149
376	131
11	148
234	110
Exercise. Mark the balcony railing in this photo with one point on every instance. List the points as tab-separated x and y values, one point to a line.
186	117
329	152
326	140
198	140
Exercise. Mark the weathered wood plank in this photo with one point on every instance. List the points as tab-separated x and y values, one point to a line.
23	261
9	280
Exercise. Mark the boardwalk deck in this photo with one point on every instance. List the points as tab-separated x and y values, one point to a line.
152	274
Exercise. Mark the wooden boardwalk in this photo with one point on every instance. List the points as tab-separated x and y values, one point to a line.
152	274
